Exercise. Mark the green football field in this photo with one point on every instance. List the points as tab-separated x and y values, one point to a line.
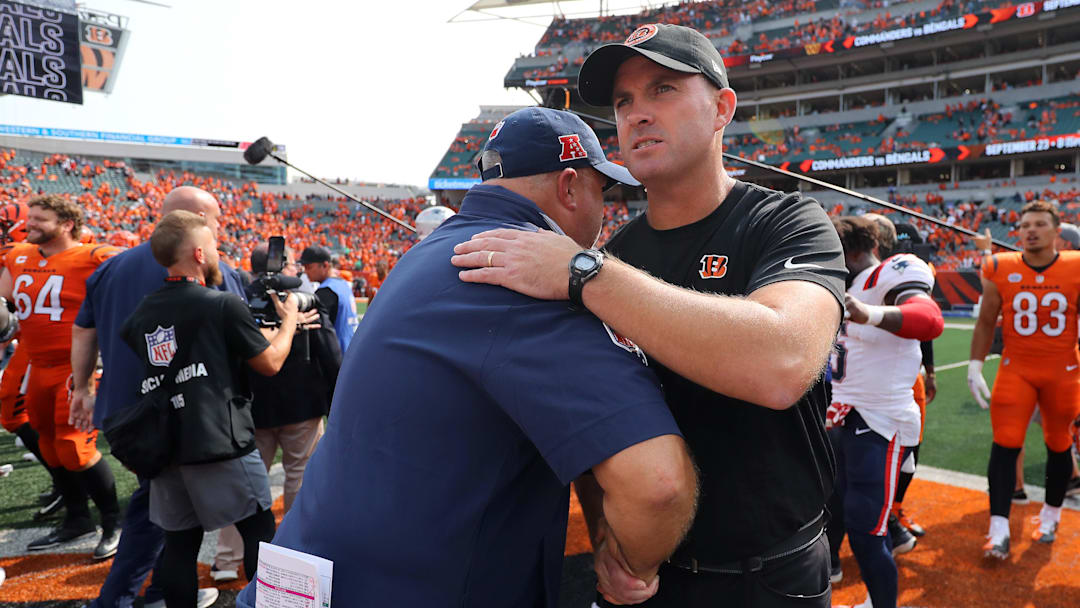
957	436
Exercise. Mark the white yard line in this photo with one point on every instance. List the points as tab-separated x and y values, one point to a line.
962	363
978	482
959	326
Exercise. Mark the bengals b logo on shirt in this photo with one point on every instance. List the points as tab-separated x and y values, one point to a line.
713	266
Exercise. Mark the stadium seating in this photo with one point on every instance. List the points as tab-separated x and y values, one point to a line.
458	160
567	41
121	209
979	121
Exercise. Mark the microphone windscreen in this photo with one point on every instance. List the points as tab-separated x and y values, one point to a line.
259	150
286	282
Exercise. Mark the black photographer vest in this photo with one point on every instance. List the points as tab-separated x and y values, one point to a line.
194	342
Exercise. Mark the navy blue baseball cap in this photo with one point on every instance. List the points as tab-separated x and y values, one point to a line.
541	140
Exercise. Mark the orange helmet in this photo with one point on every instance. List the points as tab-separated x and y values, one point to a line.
13	222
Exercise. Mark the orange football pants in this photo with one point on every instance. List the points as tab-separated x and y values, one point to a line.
13	392
1053	383
48	397
920	398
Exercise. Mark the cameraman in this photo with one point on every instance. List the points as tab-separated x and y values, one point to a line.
193	342
289	407
333	291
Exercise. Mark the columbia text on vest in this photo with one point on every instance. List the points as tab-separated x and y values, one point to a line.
186	373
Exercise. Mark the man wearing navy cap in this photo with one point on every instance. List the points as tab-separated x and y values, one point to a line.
465	411
333	291
740	325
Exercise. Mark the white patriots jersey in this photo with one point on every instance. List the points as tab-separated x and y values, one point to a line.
874	370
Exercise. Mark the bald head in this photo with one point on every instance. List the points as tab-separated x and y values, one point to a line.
886	232
195	200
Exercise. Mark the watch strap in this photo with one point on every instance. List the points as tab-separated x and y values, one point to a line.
578	278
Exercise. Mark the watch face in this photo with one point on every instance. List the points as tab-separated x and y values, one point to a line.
584	262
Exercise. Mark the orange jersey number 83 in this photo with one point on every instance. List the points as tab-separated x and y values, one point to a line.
1025	306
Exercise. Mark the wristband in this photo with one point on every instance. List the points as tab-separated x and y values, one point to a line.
876	314
975	366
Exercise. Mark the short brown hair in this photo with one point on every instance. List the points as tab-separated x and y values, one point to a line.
66	210
857	234
1043	207
171	233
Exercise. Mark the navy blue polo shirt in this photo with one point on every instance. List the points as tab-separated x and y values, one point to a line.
112	294
462	413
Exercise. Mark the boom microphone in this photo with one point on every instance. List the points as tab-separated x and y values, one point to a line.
258	151
263	147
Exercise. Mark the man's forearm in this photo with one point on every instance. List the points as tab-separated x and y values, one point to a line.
648	530
591	497
84	353
281	343
746	348
981	340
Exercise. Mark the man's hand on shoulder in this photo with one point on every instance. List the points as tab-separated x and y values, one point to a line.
536	264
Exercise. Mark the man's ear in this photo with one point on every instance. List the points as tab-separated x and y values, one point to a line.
725	107
200	255
566	184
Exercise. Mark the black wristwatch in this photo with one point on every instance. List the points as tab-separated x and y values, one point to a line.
583	266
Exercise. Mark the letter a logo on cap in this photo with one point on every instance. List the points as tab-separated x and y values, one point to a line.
495	131
641	34
571	148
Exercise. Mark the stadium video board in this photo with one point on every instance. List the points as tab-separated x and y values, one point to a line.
39	53
101	47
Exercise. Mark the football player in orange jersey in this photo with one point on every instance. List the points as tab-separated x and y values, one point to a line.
1037	290
46	279
13	415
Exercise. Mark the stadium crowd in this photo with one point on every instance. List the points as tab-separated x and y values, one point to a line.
120	208
719	18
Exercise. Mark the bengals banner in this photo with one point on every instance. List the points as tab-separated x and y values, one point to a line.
957	288
101	48
39	53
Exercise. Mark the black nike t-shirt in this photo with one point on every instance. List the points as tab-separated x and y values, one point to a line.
764	473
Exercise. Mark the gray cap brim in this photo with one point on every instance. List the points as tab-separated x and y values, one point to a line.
617	172
596	79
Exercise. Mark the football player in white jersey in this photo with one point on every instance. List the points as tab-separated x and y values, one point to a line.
877	358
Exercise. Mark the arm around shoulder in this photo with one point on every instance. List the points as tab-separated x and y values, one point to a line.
766	348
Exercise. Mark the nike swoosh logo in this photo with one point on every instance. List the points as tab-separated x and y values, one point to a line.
861	431
1069	368
789	264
